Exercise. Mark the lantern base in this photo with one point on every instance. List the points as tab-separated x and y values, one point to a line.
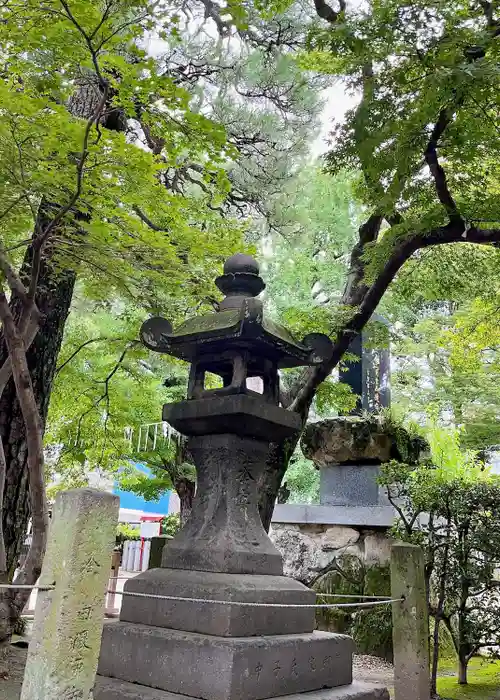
208	616
222	668
112	689
224	532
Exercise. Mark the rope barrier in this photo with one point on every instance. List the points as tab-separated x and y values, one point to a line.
364	603
363	597
21	586
157	596
322	595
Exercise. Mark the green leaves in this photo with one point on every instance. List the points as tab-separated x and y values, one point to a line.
409	62
454	515
64	55
107	387
334	397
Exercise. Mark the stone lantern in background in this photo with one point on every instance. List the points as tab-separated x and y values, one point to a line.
370	375
173	635
349	450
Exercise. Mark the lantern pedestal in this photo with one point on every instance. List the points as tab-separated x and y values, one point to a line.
207	616
224	532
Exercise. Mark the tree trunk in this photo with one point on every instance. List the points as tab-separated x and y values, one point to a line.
185	489
53	298
270	481
443	580
435	657
463	663
55	291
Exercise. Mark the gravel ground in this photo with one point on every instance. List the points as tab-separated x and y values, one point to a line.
371	669
11	673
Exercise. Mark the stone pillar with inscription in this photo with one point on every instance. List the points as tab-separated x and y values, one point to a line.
410	623
193	627
64	648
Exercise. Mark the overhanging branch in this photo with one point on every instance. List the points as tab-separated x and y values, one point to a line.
454	232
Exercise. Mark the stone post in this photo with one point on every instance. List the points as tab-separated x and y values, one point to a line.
410	624
156	551
64	650
115	572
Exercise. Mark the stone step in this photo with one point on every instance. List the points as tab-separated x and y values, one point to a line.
213	618
225	668
112	689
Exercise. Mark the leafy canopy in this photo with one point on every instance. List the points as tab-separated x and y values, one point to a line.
57	53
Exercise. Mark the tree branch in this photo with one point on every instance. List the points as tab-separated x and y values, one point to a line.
212	11
105	394
454	232
488	11
6	369
436	169
325	11
31	417
13	279
80	348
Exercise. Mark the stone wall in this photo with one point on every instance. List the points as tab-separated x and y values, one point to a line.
311	550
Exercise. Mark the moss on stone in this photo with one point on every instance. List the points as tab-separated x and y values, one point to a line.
371	628
346	578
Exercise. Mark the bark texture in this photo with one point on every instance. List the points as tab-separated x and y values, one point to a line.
185	489
55	291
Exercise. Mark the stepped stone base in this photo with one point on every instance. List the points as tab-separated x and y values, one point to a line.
112	689
224	668
215	619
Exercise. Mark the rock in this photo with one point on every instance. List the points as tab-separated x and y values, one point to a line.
307	555
310	551
377	549
352	439
303	559
338	537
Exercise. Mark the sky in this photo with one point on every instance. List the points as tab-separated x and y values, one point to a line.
338	101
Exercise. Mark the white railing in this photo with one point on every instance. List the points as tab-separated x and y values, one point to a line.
136	555
150	436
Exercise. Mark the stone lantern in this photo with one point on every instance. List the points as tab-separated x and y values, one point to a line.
230	427
191	628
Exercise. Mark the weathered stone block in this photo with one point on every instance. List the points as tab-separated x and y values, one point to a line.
351	439
213	618
410	623
307	555
250	668
64	648
378	549
349	485
354	516
303	558
112	689
346	440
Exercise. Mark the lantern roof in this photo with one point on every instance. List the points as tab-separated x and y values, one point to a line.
240	324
